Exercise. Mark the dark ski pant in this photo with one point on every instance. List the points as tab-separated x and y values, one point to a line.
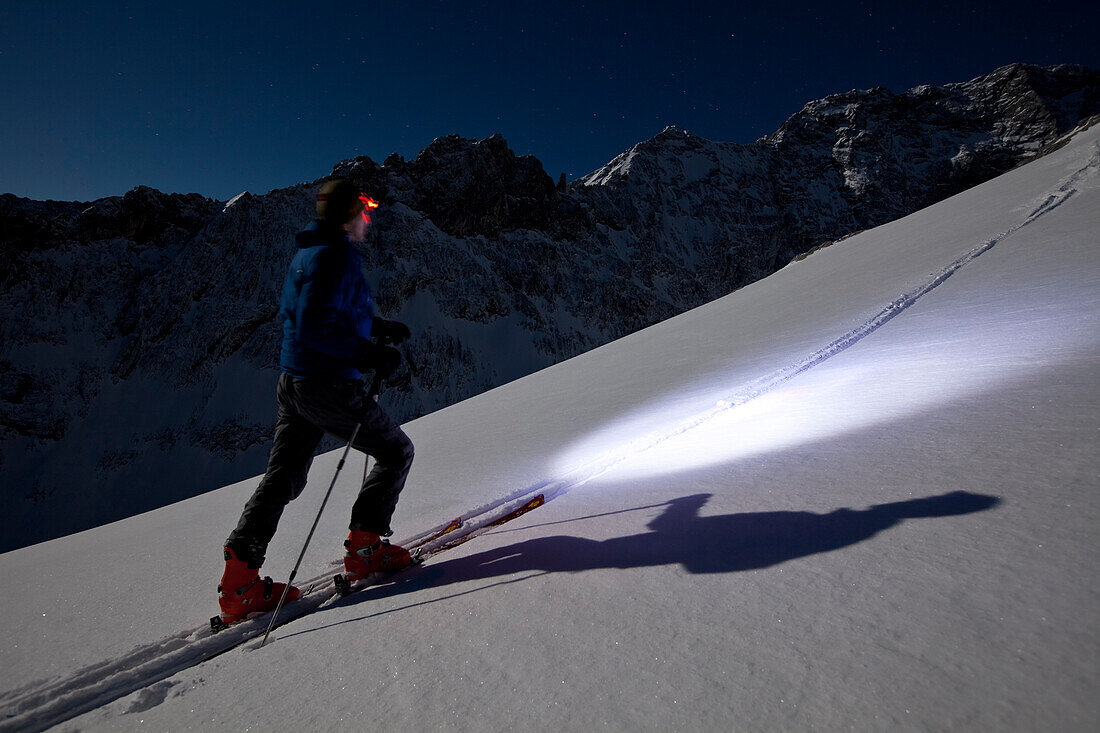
309	408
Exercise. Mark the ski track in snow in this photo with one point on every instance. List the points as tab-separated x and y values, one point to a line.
41	704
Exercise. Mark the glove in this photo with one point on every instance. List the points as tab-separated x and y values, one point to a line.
383	359
389	332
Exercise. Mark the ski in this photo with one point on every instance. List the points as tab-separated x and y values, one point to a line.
423	550
455	524
533	504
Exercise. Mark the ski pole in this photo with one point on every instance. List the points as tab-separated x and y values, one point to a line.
294	572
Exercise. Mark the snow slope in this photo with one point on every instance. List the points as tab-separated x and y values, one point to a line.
856	494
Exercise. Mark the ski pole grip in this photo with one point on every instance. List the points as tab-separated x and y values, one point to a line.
376	385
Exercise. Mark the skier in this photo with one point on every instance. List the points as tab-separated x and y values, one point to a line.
328	323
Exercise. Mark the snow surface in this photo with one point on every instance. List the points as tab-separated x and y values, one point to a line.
858	494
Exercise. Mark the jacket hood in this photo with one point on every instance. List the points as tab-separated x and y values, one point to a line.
319	233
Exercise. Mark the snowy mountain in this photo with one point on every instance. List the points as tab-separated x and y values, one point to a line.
856	494
139	338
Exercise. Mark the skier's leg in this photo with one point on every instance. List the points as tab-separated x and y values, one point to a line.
365	552
287	469
338	408
393	454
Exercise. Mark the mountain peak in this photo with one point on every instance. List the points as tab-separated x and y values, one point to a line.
355	167
653	154
672	132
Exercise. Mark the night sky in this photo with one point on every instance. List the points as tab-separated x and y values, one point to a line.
224	97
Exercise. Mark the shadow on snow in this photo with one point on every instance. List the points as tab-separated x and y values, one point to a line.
717	544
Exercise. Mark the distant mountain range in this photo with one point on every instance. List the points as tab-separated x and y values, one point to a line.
139	335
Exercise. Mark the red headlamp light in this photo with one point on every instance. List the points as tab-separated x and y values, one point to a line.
368	205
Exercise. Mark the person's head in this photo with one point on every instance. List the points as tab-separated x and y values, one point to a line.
342	206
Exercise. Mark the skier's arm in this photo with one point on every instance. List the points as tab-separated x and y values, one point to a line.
321	318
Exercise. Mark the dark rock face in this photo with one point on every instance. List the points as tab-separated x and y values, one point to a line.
140	339
888	154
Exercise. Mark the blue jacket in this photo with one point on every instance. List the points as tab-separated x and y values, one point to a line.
327	308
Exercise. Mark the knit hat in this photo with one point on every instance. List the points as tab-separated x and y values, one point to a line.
338	202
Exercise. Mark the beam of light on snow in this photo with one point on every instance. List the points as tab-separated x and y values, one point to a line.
941	356
1000	325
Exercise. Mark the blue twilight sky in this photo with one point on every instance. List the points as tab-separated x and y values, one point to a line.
217	98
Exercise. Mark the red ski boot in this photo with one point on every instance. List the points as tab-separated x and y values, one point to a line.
242	590
368	553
